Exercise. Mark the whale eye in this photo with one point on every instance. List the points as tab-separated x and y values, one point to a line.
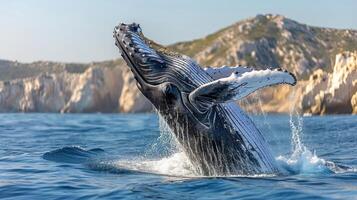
170	90
167	89
171	94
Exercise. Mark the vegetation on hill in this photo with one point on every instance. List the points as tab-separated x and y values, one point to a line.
271	41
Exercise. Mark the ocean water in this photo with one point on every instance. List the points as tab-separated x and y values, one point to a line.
97	156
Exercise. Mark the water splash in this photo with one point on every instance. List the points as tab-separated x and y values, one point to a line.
296	124
165	156
167	137
165	145
302	160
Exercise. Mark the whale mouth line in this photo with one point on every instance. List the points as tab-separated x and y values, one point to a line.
132	64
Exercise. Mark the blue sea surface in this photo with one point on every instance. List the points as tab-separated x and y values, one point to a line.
125	156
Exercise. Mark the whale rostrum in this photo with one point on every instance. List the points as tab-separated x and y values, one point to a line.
198	104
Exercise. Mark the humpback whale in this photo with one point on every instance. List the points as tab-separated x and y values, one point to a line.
198	104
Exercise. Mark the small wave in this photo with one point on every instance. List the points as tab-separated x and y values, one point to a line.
72	154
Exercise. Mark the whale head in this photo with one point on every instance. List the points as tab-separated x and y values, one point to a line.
154	67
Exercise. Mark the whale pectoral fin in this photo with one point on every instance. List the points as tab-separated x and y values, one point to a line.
238	86
225	71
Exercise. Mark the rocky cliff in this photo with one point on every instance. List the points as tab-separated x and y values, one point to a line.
324	86
321	93
273	41
334	92
97	89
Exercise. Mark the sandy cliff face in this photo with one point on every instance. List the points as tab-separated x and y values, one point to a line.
131	100
322	93
98	89
328	93
42	94
316	85
354	103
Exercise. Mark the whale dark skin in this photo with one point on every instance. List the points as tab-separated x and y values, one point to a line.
197	105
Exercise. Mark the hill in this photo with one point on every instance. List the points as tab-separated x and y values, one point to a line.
271	41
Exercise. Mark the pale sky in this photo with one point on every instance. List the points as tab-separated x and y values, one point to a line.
81	30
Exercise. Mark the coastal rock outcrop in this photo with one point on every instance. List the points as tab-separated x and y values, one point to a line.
331	93
322	93
354	103
131	100
97	89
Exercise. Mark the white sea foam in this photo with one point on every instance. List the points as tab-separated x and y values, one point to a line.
302	160
175	165
305	162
